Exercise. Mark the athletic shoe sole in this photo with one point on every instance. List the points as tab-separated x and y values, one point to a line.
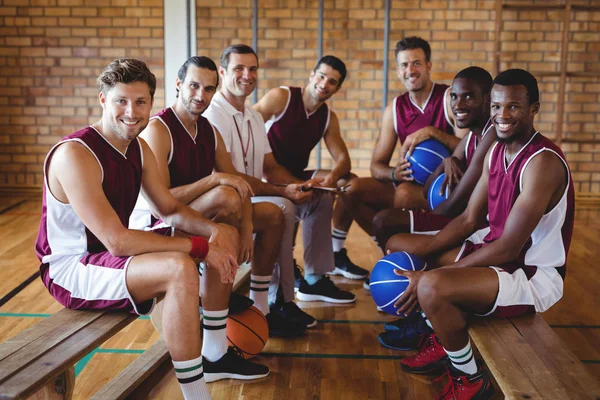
403	348
346	274
317	297
431	369
227	375
366	286
312	325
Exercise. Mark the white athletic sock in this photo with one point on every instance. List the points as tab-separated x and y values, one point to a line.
426	319
463	359
214	342
259	291
190	375
375	240
338	239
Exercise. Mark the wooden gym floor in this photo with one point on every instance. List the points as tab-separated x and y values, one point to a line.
339	359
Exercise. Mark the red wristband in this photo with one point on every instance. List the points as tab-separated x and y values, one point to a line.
199	247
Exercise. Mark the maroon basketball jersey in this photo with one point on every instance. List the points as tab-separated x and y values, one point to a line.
549	243
191	158
409	118
295	133
473	140
61	230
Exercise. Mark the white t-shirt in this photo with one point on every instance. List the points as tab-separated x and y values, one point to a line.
244	134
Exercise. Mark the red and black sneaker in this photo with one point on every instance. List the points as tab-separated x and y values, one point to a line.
462	386
430	359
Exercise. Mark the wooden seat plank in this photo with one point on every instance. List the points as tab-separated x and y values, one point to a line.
30	377
135	374
564	364
68	320
512	380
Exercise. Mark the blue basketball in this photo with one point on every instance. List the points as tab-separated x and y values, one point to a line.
434	198
425	158
387	287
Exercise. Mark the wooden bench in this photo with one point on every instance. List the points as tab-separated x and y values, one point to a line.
529	361
40	360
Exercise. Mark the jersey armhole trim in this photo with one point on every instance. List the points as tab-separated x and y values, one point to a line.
51	152
170	157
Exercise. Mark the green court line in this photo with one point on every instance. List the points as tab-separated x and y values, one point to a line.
33	315
575	326
342	356
353	322
325	321
85	360
24	315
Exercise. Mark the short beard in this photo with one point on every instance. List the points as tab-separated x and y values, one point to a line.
186	104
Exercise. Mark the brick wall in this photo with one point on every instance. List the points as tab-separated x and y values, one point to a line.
461	34
51	51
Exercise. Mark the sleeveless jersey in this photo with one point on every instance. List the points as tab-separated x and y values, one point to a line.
409	118
62	233
473	140
294	133
548	245
190	159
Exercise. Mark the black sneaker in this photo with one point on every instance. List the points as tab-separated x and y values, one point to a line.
281	325
292	310
298	278
367	284
324	290
233	366
345	267
239	303
405	333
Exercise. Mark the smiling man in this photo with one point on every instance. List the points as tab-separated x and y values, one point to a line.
246	140
187	149
470	102
526	193
92	260
296	120
421	113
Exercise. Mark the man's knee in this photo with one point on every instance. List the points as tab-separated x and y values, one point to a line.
272	214
433	290
408	195
183	272
389	222
230	204
358	186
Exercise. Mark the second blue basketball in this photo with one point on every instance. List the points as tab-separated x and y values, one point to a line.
386	286
425	158
434	198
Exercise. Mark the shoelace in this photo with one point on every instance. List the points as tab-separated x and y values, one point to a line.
451	387
237	351
425	341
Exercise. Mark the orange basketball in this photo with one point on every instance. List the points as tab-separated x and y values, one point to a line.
248	331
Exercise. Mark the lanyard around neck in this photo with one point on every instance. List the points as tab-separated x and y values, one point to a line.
244	150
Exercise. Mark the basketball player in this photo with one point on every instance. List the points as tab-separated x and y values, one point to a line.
526	189
470	102
419	114
245	138
187	149
89	257
296	120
